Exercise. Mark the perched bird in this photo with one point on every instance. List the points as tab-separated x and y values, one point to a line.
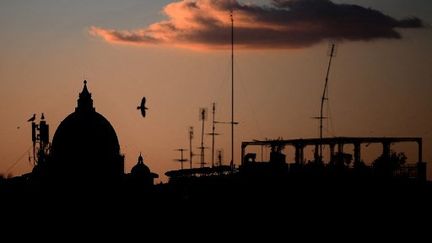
32	118
142	107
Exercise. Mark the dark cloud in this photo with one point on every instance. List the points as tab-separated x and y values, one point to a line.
281	24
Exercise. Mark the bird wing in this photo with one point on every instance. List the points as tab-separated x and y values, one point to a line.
32	118
144	100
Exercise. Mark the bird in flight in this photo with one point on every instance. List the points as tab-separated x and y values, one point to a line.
142	107
32	118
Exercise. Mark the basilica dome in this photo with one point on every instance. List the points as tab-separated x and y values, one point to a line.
85	145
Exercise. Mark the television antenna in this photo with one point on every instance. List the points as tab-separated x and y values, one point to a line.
182	159
213	134
203	118
324	97
220	156
191	154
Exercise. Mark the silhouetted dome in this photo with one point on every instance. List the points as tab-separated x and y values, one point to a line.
140	168
141	174
85	144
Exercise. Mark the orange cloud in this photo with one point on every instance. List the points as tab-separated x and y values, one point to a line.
283	24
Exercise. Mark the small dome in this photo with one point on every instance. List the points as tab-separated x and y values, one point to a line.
142	171
140	168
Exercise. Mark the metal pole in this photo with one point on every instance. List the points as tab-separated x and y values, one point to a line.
202	144
232	89
181	159
213	134
420	150
323	98
190	146
203	117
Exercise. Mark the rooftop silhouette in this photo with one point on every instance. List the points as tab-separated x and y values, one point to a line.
84	160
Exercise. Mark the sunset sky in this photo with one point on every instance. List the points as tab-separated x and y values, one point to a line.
175	53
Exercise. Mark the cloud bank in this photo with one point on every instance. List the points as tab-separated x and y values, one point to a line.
282	24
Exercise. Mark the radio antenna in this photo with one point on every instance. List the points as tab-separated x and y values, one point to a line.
324	97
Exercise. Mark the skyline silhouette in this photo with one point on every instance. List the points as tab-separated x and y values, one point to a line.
377	88
83	167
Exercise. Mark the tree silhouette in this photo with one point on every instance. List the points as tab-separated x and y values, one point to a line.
386	165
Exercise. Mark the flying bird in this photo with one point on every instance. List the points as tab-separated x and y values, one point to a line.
32	118
142	107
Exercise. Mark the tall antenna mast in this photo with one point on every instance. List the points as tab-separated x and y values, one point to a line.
182	159
232	88
213	134
191	135
203	117
219	156
324	97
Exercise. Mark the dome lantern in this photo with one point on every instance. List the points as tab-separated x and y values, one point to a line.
85	101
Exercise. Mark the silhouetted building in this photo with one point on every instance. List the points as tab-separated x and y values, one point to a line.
141	174
85	146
